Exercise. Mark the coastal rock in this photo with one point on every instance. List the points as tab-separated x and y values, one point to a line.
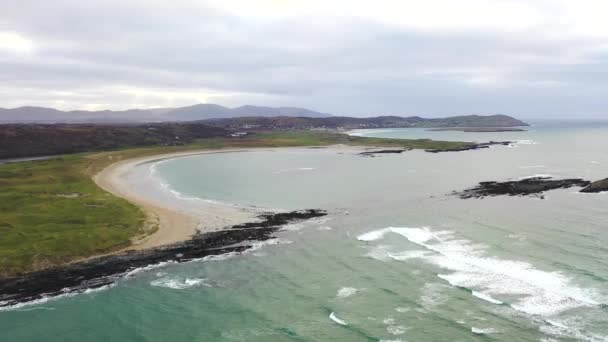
373	153
524	187
476	146
104	271
595	187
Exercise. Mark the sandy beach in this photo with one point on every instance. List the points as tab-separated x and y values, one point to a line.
167	225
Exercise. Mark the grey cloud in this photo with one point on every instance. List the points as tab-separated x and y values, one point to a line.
84	50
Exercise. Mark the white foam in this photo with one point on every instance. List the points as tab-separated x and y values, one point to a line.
335	318
557	324
481	331
373	235
538	175
293	227
485	297
433	295
389	320
45	299
538	292
346	292
257	245
517	237
396	329
147	268
220	257
526	142
406	255
379	253
569	331
181	283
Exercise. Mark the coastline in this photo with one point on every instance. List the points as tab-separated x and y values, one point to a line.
166	225
214	229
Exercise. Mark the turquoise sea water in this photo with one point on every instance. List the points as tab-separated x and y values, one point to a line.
397	259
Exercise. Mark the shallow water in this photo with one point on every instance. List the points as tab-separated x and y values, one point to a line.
398	259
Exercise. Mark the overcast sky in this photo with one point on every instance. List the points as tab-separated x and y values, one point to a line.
528	58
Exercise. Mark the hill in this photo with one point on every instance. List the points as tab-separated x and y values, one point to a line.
19	140
343	122
190	113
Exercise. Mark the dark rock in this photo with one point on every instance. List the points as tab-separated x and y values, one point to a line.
469	147
373	153
524	187
98	272
598	186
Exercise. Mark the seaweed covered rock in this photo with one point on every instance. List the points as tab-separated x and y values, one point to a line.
598	186
524	187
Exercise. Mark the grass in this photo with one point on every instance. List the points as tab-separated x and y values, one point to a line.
51	211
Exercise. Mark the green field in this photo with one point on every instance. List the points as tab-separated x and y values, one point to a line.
51	212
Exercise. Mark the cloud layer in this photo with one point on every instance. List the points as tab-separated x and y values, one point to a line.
535	58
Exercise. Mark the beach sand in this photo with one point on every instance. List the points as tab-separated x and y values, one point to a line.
168	224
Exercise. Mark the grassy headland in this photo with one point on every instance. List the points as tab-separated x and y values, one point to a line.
51	211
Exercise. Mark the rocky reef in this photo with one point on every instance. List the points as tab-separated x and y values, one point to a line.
103	271
524	187
595	187
375	152
476	146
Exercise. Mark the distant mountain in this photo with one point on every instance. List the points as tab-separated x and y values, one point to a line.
475	121
280	111
265	117
190	113
344	122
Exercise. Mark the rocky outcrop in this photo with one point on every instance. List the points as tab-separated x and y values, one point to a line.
598	186
375	152
476	146
524	187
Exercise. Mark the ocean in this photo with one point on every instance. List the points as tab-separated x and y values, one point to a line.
398	258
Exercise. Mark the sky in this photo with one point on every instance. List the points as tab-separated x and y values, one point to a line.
526	58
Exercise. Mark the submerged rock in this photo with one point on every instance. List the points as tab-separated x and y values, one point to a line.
476	146
524	187
103	271
598	186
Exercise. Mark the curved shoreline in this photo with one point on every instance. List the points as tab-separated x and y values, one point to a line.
164	225
181	237
167	225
